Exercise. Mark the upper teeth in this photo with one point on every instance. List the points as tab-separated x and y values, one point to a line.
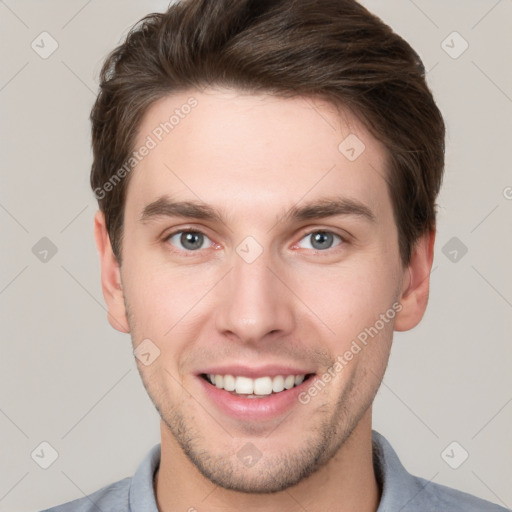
259	386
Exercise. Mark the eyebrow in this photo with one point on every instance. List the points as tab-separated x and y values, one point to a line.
330	207
319	209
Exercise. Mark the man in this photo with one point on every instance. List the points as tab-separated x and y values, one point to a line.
266	173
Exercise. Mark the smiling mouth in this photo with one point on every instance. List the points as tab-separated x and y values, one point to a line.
260	387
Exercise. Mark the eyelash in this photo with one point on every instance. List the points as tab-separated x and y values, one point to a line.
197	252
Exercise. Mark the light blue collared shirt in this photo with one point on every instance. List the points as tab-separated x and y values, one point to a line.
400	491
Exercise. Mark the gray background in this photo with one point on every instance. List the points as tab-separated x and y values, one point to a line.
69	379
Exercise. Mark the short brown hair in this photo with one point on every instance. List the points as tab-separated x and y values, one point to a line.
335	49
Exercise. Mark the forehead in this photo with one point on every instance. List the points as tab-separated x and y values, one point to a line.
248	152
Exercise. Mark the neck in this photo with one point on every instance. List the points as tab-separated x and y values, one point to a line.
346	483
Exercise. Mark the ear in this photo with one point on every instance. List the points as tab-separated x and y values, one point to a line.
416	283
110	276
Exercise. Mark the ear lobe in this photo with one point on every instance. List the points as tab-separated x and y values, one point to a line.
416	283
110	277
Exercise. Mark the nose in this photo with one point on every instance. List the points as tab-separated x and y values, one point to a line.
255	301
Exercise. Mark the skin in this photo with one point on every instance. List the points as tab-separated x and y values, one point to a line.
254	157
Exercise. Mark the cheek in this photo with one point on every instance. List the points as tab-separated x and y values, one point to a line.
160	308
165	301
153	297
348	299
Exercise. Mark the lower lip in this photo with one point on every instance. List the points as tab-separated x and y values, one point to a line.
268	407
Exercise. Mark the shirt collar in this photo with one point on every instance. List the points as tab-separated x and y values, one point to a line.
397	486
142	493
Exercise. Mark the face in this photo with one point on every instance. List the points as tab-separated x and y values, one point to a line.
257	252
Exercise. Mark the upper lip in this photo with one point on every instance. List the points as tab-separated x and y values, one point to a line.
255	372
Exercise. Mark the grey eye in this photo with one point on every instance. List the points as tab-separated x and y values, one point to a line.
189	240
321	240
